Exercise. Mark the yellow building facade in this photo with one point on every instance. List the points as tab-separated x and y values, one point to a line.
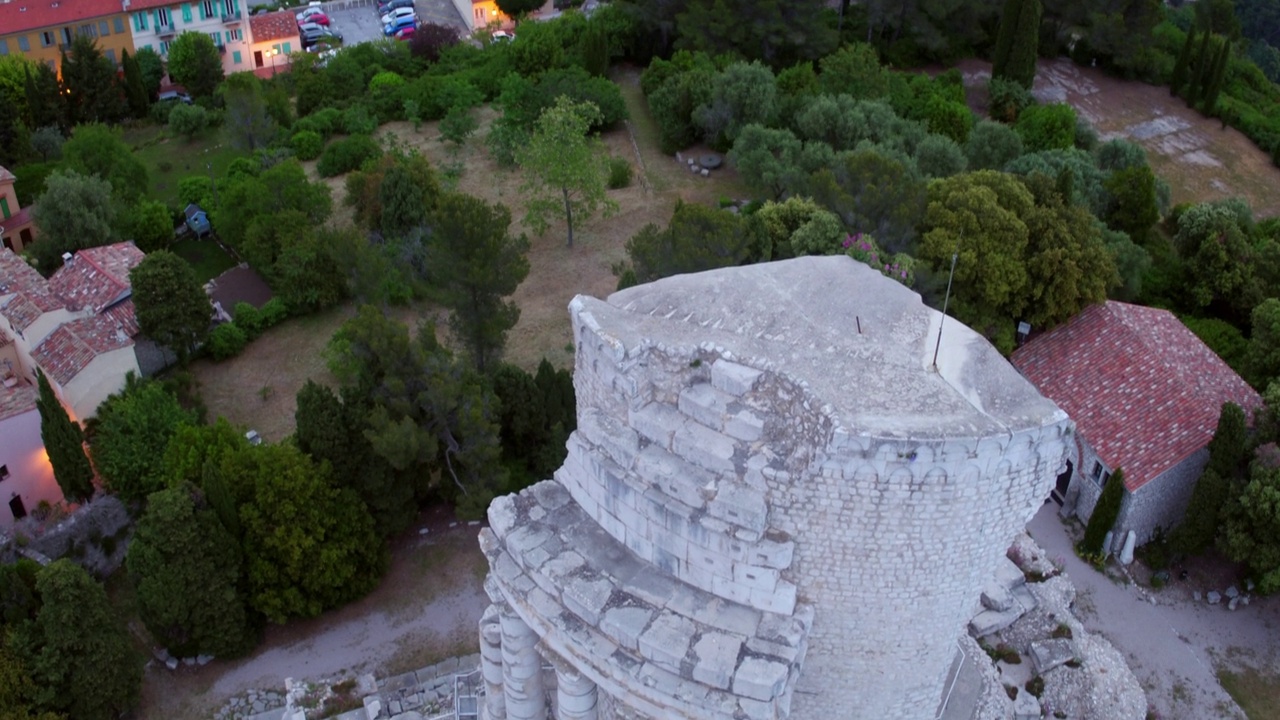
42	30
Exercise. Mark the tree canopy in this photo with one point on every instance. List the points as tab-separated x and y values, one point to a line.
172	307
565	171
130	434
195	64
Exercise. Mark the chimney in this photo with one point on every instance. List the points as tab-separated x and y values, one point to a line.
1024	330
67	258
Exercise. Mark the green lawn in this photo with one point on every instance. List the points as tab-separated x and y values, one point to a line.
1257	693
205	257
169	160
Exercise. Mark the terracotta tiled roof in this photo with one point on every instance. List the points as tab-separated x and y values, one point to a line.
16	400
96	278
273	26
1144	391
29	294
148	4
19	15
20	218
69	349
5	338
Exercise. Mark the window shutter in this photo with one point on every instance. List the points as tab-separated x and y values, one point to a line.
186	13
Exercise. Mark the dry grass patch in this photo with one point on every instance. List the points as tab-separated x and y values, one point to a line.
1256	692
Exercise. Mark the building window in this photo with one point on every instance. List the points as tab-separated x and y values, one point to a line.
46	38
4	473
23	44
228	7
163	17
66	36
164	47
207	9
140	21
103	28
1096	473
110	54
235	57
217	38
480	15
118	24
88	31
235	35
4	47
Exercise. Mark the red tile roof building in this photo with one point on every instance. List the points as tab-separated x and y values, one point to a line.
1145	394
265	27
41	29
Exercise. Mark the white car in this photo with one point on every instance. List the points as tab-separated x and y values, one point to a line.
308	12
398	13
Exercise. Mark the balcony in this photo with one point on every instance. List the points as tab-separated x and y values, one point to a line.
222	49
165	30
231	18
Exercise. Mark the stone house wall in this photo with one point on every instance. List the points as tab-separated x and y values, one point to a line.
1162	502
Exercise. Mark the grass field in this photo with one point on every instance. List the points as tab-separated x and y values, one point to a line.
1256	692
205	257
170	159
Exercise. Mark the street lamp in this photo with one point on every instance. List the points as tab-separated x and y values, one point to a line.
273	52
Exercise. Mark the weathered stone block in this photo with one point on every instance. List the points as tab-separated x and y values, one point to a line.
705	448
658	422
744	425
773	553
715	656
755	578
587	598
705	405
781	599
760	679
619	442
626	624
666	640
1049	654
740	505
732	378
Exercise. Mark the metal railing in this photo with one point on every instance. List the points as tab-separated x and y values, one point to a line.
234	17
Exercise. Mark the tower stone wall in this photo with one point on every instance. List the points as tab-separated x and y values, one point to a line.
774	505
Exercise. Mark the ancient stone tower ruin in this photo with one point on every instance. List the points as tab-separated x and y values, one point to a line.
774	505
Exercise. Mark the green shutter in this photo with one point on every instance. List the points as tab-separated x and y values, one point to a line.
4	207
286	49
202	15
235	56
186	13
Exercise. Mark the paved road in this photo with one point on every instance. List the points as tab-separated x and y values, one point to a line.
358	20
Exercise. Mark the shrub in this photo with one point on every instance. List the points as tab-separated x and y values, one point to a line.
273	312
323	122
1104	515
248	318
347	154
1035	686
307	145
1008	100
619	173
226	341
188	120
1062	631
357	120
1047	127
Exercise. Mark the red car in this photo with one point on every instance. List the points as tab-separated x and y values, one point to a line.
404	34
318	18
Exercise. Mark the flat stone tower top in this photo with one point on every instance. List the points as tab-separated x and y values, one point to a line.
862	343
773	506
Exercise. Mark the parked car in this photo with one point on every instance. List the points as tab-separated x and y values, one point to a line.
392	28
317	18
387	6
308	12
174	96
317	35
405	33
310	27
502	36
404	12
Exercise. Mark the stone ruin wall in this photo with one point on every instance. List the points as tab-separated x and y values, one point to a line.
733	478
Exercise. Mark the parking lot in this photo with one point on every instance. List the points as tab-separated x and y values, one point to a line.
358	21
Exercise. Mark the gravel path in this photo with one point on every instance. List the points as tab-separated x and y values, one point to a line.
1171	645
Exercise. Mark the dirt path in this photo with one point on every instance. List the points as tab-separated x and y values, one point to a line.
425	610
1173	644
1197	156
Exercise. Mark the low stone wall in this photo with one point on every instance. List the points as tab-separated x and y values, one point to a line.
96	536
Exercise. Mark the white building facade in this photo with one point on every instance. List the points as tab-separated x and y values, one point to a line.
157	23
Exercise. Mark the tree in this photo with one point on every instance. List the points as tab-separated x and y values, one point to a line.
1202	520
1262	358
458	125
940	156
47	143
74	212
743	94
1218	75
247	119
992	145
394	195
854	70
172	308
135	90
1047	127
333	431
536	420
252	205
564	169
44	98
93	93
148	224
1200	70
1251	524
777	33
698	238
188	120
64	444
77	650
100	150
195	64
1133	207
873	190
430	39
130	434
595	50
151	68
186	573
1213	239
518	9
1179	76
309	546
477	263
1104	515
767	159
1017	42
430	414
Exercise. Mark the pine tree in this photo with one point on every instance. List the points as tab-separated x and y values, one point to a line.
1104	514
133	88
1179	77
1203	58
64	443
1219	75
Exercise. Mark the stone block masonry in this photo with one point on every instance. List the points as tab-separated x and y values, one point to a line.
766	512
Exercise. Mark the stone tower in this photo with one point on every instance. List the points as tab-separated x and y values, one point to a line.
774	505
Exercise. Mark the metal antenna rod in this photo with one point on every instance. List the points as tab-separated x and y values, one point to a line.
945	300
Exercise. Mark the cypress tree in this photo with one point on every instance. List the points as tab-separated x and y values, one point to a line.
1203	58
595	50
1104	514
1026	46
1179	77
1005	37
133	89
64	444
1219	75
